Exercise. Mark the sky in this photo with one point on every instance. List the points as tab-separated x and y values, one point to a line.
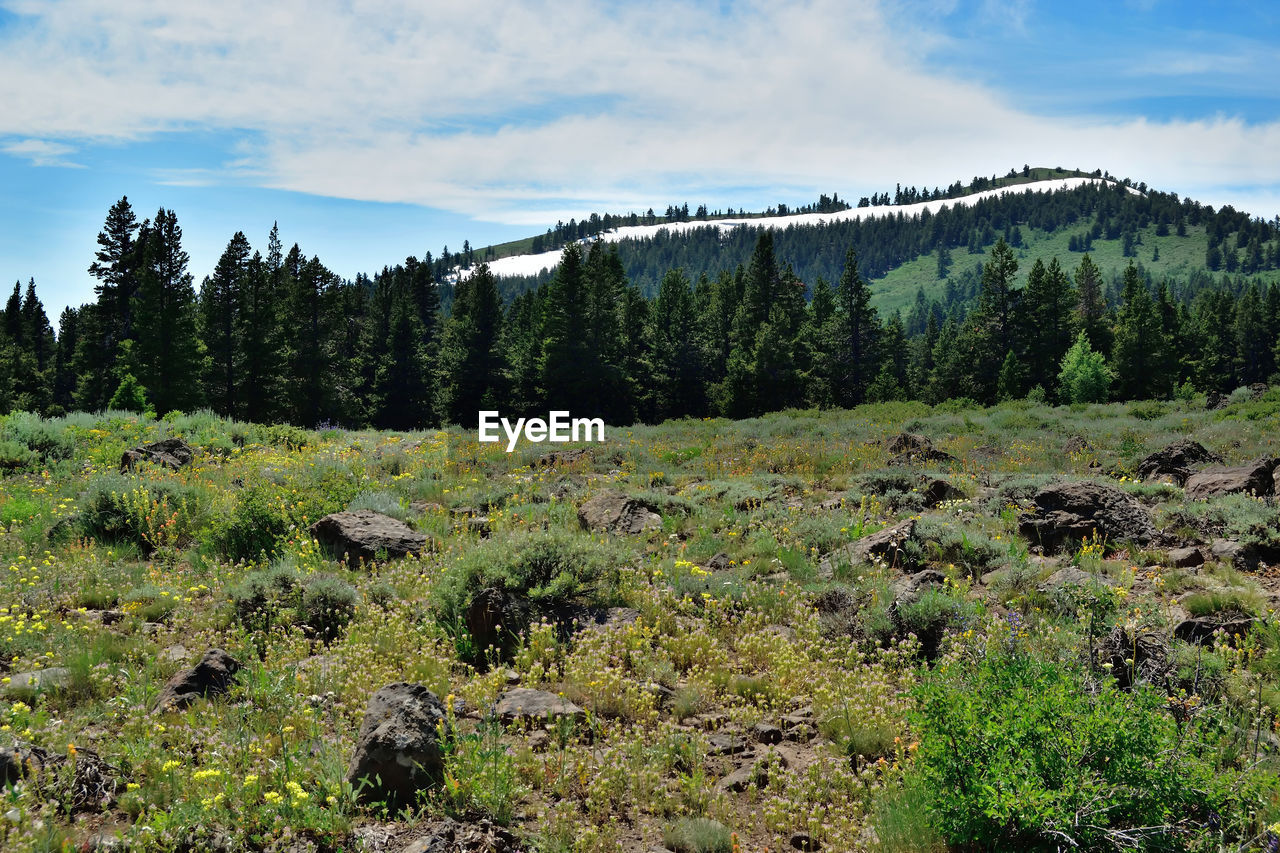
372	130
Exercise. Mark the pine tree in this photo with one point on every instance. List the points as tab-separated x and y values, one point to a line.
1140	347
1085	376
168	345
115	268
565	347
676	357
472	362
259	344
129	396
64	376
1092	306
856	337
220	302
1049	310
402	390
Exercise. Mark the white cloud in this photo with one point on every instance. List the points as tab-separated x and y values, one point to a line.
511	111
41	152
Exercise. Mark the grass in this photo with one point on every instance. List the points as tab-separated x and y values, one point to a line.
120	579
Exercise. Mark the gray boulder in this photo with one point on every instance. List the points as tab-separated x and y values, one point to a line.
617	513
37	681
525	703
884	545
1257	478
398	754
361	534
1073	512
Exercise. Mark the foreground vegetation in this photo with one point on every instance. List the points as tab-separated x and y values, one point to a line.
997	709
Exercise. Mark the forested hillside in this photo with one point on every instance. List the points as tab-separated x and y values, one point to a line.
1105	291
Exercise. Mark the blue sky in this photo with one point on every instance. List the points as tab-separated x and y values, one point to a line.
383	128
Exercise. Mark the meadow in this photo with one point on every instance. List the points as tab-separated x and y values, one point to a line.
749	679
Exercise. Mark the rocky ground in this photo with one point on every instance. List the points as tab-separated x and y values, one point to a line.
700	636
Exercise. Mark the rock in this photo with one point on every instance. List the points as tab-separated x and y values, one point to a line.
660	692
426	508
1242	556
38	681
13	765
361	534
494	619
804	842
617	513
172	453
1070	576
766	733
1200	629
739	780
1257	478
1185	558
607	620
209	678
884	546
397	755
1133	658
101	842
526	703
1176	461
802	733
938	491
719	563
911	449
1072	512
174	654
539	739
1076	445
562	458
723	743
907	590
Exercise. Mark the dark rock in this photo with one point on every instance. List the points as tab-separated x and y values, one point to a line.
361	534
1133	659
740	780
494	619
723	743
1257	478
884	546
766	733
562	458
397	754
1200	629
13	765
539	739
804	842
938	491
1076	444
209	678
718	563
525	703
609	619
907	590
802	733
1242	556
172	453
1072	512
1176	461
911	449
1185	558
617	513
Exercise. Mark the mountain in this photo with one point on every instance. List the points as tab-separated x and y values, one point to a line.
935	246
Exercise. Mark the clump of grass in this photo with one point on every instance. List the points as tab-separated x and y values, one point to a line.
1209	602
698	835
901	817
382	502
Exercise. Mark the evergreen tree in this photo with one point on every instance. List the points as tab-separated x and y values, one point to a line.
1049	310
1092	306
115	268
677	379
64	375
472	362
855	340
220	298
1139	351
1085	376
566	347
168	346
129	396
402	390
258	339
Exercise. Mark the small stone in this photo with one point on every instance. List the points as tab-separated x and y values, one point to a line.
522	702
766	733
512	677
804	842
1186	558
802	733
38	681
725	744
539	739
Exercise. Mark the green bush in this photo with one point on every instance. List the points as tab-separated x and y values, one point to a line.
698	835
551	569
1021	754
383	502
942	541
259	599
328	604
259	522
150	515
15	456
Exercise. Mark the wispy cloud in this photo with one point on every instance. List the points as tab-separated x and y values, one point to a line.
42	152
503	111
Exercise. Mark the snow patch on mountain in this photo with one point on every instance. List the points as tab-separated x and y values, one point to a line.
525	265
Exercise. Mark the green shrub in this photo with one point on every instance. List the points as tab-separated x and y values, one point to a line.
383	502
150	515
1209	602
15	456
43	438
328	604
550	569
697	835
259	522
261	596
942	541
1021	754
279	435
